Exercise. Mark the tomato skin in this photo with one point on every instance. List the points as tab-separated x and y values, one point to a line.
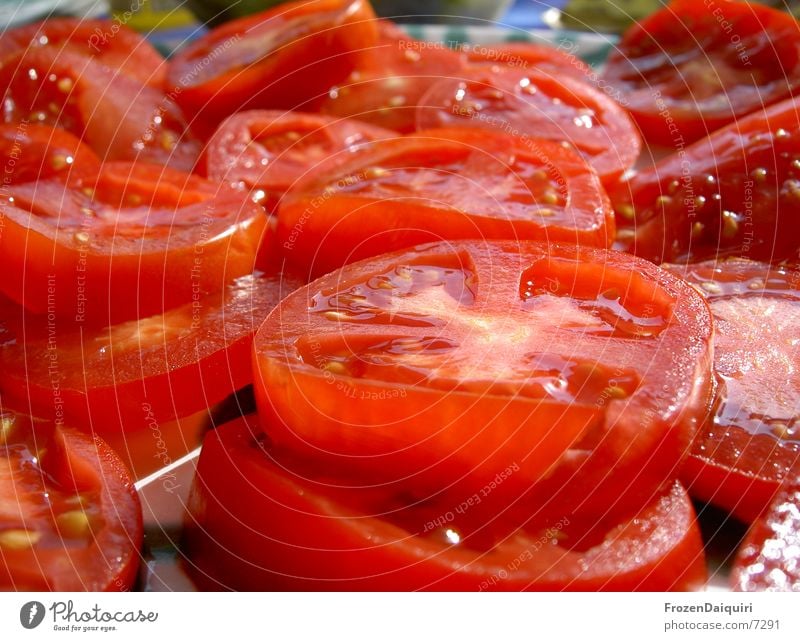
768	558
278	66
35	152
748	443
79	463
373	428
114	114
254	526
355	221
112	44
269	151
731	194
390	79
528	55
537	104
685	71
153	242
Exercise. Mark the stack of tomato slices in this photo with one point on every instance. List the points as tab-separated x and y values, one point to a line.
439	269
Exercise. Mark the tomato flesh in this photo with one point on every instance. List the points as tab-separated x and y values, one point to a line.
128	243
732	194
437	367
253	526
751	441
267	152
69	516
528	55
536	104
440	184
686	70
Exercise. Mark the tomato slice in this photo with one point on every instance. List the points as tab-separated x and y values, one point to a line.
35	152
129	243
732	194
118	117
540	105
528	55
769	558
686	70
267	152
751	441
110	43
436	184
390	78
70	518
438	367
281	58
255	526
173	364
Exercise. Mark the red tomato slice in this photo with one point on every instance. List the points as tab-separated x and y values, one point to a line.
390	78
769	558
266	152
111	43
69	516
277	59
438	184
255	526
537	104
751	441
687	70
114	114
130	243
438	367
529	56
34	152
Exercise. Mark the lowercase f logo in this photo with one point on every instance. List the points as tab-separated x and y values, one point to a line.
31	614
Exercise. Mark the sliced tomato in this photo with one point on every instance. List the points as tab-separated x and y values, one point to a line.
110	43
390	78
436	368
687	70
528	56
129	243
769	558
536	104
751	440
436	184
70	518
255	526
282	58
34	152
134	374
114	114
732	194
267	152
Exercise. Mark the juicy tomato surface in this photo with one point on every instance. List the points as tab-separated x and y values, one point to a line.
110	43
390	78
537	104
441	184
438	367
769	558
34	152
254	526
114	114
70	518
176	363
128	243
686	70
528	55
267	152
282	58
751	440
731	194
